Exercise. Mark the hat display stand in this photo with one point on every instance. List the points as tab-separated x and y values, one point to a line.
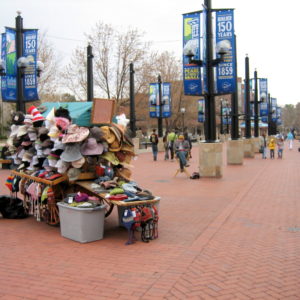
61	158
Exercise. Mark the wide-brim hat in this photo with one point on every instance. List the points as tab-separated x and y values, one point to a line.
127	148
75	134
108	135
78	163
116	131
115	146
62	166
27	156
71	152
47	144
124	173
14	130
73	174
27	120
91	147
96	133
110	156
22	130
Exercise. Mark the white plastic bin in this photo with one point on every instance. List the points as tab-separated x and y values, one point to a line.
81	224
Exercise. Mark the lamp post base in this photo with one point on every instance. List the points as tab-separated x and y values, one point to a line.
235	152
211	159
248	148
256	142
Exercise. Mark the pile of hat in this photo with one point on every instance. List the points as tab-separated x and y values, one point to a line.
53	145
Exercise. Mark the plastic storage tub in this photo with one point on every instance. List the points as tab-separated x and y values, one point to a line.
81	224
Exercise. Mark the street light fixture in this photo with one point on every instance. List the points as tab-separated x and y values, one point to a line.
39	68
2	68
182	110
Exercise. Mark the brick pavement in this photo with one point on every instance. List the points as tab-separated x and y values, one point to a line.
230	238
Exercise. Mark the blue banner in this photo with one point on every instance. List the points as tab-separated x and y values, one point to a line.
273	109
204	54
30	52
263	109
264	119
278	115
9	54
191	44
226	115
226	74
263	89
201	110
154	100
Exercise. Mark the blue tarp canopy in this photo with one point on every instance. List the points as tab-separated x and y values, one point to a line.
80	112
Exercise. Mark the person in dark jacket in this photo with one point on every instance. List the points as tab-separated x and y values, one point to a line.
154	142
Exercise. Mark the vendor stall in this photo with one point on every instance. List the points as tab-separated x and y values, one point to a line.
59	155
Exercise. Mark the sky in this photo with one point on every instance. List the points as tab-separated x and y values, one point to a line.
266	30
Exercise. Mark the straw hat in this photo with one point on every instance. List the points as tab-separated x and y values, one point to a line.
108	135
124	173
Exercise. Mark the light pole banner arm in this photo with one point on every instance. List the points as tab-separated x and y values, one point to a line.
191	49
9	54
226	77
166	99
201	111
153	99
30	52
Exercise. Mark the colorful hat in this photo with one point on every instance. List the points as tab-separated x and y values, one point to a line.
62	123
9	182
91	147
28	119
71	152
75	134
36	115
53	132
110	156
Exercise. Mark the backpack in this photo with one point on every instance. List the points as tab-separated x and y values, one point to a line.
153	138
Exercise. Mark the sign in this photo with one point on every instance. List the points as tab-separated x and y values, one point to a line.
263	89
154	100
273	109
9	56
226	115
278	115
201	110
263	109
30	52
225	39
191	44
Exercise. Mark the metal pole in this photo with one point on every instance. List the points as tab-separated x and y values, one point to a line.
90	79
132	103
210	111
256	128
19	52
227	119
159	119
269	114
234	104
247	98
221	125
182	122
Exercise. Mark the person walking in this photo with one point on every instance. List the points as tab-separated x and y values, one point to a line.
166	145
154	142
271	146
280	145
263	145
290	138
182	149
187	138
171	140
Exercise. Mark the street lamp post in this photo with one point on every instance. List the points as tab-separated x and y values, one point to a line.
90	79
247	100
221	114
182	110
132	102
159	119
256	118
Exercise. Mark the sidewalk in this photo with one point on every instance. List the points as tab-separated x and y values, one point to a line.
231	238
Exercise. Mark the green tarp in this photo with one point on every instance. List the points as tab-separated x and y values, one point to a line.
80	112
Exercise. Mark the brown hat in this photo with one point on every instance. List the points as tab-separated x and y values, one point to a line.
124	173
96	133
108	135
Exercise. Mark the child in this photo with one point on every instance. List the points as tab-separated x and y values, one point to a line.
272	147
280	144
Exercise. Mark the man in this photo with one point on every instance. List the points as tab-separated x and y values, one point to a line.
182	148
154	142
290	138
171	138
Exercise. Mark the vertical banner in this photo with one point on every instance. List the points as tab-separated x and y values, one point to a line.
154	100
8	50
263	109
166	99
30	52
278	115
263	89
204	51
226	77
191	44
273	109
3	57
226	115
201	110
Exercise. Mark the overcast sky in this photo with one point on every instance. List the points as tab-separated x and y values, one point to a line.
266	30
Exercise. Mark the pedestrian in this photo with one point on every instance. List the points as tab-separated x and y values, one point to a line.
280	145
263	146
166	145
182	149
271	146
290	138
187	138
171	140
154	142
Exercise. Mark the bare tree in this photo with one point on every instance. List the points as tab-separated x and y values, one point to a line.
48	81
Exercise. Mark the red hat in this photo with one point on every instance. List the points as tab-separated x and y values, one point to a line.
36	115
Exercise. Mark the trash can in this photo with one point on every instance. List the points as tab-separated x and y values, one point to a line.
81	224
